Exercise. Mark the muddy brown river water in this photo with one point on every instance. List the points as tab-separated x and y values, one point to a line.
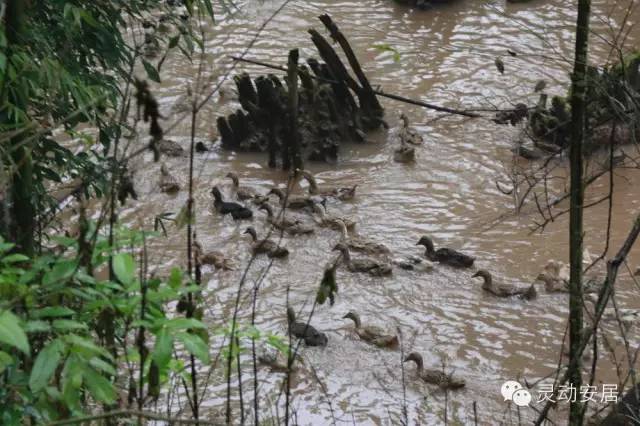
446	57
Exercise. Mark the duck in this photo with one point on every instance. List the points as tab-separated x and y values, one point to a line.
170	147
434	376
556	279
215	258
444	255
168	182
330	221
266	246
243	193
372	334
277	360
201	147
413	263
361	244
342	194
404	154
293	202
237	211
307	332
505	290
408	134
365	265
291	226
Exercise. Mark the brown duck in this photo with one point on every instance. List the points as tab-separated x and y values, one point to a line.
330	221
215	258
343	194
290	226
293	202
168	182
243	193
445	255
433	376
505	290
372	334
265	246
362	244
363	264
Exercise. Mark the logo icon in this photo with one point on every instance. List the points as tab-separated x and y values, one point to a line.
513	391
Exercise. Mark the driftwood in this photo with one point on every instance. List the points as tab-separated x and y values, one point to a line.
310	113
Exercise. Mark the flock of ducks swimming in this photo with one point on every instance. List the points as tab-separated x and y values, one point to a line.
357	254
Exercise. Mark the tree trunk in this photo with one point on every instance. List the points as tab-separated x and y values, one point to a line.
294	157
22	214
578	122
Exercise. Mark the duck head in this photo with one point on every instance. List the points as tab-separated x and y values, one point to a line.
426	241
234	178
216	193
278	192
486	276
252	232
291	315
404	119
354	317
415	357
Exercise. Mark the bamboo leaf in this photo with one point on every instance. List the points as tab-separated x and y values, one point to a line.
124	267
45	365
11	333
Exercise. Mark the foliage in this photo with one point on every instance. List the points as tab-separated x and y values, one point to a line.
54	352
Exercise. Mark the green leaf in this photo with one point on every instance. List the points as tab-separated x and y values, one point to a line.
101	365
184	323
195	345
175	279
152	72
124	267
163	348
5	361
45	365
37	326
52	312
207	4
67	325
14	258
60	272
11	333
100	388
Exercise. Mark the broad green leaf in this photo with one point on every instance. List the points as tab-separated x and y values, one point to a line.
195	345
102	365
45	365
14	258
163	348
100	388
124	267
5	361
37	326
11	333
86	345
175	279
152	72
67	325
52	312
61	271
184	323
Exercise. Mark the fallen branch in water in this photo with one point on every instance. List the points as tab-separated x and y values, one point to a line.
377	92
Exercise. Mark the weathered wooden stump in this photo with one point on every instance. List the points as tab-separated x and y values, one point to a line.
309	114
